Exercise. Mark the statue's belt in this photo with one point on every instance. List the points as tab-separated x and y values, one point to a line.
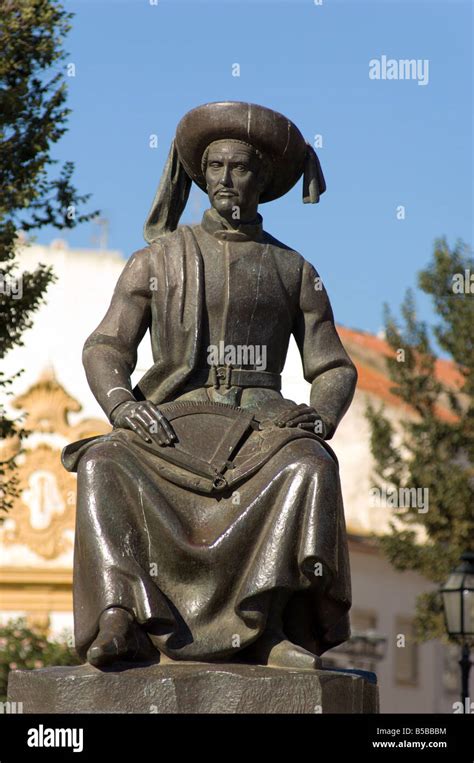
227	376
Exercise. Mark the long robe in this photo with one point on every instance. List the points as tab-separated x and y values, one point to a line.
199	570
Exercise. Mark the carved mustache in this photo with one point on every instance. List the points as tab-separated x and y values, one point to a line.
227	191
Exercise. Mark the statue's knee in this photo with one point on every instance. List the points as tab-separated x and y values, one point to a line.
99	455
313	462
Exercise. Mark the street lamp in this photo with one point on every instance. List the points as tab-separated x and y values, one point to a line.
458	604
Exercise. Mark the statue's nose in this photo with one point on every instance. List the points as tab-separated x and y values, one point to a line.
225	177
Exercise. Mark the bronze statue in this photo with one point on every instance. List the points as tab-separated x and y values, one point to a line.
210	524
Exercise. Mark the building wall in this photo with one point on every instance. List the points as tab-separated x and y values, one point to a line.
377	587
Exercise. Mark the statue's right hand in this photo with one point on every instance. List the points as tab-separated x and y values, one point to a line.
145	419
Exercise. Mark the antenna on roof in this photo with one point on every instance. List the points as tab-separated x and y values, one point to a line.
102	236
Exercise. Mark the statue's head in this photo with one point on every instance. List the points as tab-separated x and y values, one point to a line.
236	175
241	154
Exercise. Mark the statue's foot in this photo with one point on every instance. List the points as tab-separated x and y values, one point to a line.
274	649
289	655
165	660
120	639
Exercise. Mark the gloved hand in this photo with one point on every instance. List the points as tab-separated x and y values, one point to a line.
302	416
146	419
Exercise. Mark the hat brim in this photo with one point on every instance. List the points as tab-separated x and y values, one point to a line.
267	130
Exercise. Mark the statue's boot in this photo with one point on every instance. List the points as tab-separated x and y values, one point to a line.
274	649
120	639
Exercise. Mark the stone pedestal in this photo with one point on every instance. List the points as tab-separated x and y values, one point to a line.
192	688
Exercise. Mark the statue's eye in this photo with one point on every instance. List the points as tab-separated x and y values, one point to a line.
241	167
215	165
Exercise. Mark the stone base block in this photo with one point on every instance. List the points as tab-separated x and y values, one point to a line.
191	688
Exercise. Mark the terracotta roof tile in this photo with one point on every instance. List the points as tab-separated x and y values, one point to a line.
367	352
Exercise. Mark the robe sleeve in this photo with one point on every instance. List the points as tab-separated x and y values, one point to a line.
326	365
110	353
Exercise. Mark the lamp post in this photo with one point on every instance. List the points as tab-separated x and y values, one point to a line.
458	604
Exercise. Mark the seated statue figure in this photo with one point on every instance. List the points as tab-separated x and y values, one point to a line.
210	524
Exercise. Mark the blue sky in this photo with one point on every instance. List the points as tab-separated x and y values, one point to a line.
140	67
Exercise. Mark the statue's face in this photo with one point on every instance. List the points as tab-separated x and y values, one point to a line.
234	179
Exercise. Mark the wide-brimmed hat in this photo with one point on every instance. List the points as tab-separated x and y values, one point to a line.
267	130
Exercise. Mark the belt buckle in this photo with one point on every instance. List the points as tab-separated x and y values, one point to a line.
222	374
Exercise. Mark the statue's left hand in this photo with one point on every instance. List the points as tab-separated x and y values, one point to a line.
146	420
302	416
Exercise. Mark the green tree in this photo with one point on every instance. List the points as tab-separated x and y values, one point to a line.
435	448
25	648
33	118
